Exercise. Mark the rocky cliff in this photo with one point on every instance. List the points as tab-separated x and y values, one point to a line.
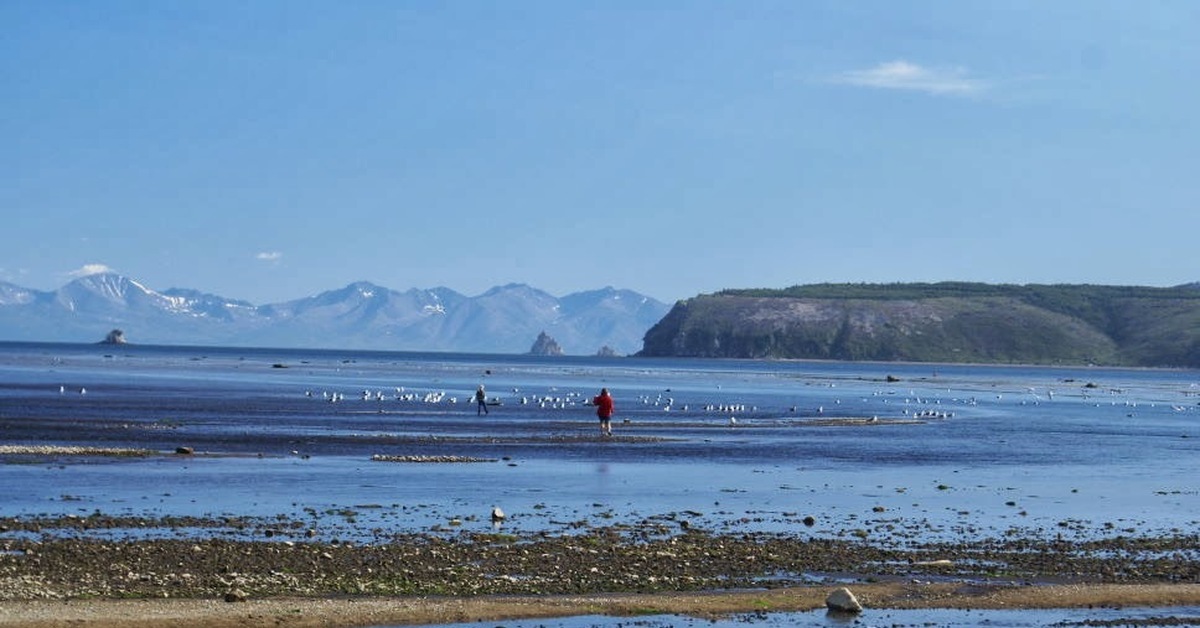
950	322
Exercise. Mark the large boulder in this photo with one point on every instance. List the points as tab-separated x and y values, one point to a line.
843	601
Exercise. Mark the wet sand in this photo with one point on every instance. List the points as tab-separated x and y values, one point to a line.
423	610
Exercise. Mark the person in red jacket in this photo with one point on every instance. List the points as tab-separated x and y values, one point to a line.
604	410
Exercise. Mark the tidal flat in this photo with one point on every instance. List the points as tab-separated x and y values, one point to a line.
356	489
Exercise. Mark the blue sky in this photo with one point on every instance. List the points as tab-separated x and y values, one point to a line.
270	150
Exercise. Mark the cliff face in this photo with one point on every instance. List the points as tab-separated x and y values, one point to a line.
939	323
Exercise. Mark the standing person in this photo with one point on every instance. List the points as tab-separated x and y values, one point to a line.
480	401
604	410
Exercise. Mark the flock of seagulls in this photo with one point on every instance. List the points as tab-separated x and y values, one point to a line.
915	405
555	400
401	394
551	401
664	401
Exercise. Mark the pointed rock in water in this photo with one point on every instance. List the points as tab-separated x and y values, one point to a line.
843	601
545	345
497	514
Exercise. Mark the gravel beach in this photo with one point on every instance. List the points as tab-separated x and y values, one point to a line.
95	570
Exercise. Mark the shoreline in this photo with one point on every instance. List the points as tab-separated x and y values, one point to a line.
65	572
357	611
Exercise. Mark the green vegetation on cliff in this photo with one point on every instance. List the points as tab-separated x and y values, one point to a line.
942	322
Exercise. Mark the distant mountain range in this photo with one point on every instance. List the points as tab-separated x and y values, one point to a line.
362	315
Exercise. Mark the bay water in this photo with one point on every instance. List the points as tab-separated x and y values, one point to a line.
943	451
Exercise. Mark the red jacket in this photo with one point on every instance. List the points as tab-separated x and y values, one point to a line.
604	406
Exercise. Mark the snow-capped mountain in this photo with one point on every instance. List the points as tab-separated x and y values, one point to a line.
15	295
362	315
111	294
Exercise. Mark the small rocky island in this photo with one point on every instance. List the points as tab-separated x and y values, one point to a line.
545	345
114	337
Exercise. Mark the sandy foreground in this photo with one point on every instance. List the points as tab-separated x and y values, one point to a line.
374	611
59	579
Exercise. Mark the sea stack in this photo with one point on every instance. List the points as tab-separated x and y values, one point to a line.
114	337
545	345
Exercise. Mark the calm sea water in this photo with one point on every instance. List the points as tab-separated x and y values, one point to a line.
950	451
719	437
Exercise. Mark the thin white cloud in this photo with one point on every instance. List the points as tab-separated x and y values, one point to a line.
269	256
89	269
901	74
